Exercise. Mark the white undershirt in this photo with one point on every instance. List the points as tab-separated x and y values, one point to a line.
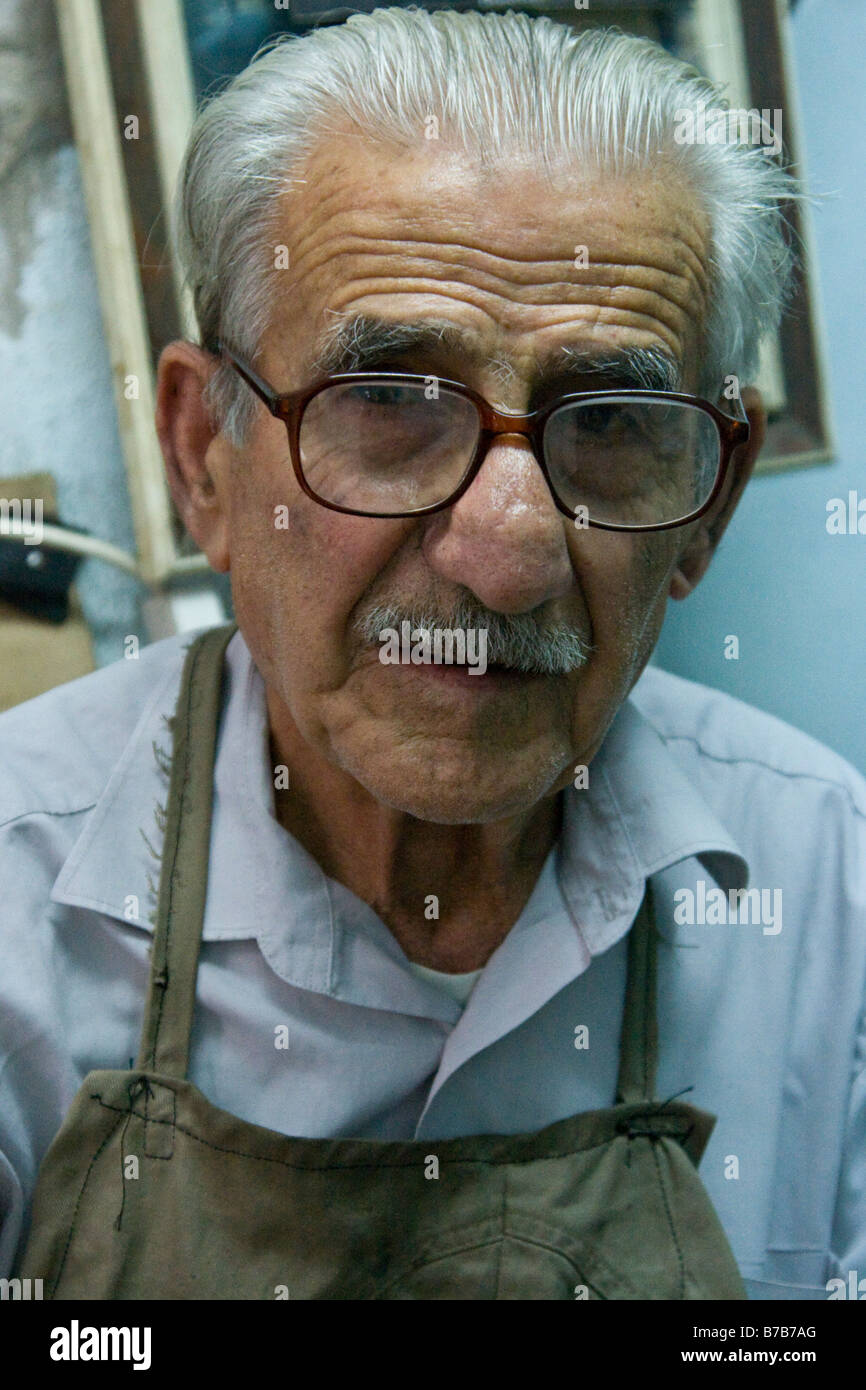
458	986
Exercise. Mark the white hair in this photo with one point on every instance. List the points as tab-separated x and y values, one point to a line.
494	82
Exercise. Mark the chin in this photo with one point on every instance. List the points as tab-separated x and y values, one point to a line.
464	798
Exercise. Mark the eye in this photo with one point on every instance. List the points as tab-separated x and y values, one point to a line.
598	418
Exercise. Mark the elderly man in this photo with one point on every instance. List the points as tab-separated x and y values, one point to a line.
473	937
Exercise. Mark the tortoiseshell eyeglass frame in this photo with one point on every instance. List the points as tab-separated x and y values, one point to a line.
290	407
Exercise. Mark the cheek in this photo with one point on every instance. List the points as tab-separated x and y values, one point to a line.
297	572
607	568
624	581
654	560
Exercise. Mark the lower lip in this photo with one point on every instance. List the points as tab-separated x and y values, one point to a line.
462	677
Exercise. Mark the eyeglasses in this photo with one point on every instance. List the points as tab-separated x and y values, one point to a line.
389	444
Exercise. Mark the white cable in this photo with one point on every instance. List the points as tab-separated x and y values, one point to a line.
75	542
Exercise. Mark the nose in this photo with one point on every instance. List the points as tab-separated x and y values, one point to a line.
504	538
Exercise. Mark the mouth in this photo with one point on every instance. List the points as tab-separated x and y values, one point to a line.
463	676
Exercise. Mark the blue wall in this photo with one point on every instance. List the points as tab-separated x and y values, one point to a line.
793	594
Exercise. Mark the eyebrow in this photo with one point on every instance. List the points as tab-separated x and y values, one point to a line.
361	342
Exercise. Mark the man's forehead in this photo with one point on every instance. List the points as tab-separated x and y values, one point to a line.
505	205
512	251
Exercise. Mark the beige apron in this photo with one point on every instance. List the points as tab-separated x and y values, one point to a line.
149	1191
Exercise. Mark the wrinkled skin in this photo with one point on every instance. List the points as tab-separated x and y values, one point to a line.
406	783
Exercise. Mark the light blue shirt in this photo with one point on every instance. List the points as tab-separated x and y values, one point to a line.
761	1013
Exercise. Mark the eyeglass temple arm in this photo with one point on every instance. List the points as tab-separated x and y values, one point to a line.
255	382
740	410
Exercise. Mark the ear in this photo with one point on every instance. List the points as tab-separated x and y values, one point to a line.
703	538
196	455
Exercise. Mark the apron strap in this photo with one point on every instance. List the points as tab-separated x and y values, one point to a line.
639	1038
170	1003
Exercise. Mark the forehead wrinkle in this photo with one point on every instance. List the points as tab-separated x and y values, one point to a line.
426	209
612	238
588	316
405	222
676	269
650	291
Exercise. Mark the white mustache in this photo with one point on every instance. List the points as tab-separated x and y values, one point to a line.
516	640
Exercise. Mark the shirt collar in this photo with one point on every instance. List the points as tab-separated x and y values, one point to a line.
638	815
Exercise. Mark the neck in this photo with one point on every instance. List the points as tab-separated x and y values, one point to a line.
448	893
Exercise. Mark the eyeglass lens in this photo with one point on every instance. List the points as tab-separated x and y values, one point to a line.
394	447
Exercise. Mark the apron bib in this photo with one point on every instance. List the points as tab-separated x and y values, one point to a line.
149	1191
